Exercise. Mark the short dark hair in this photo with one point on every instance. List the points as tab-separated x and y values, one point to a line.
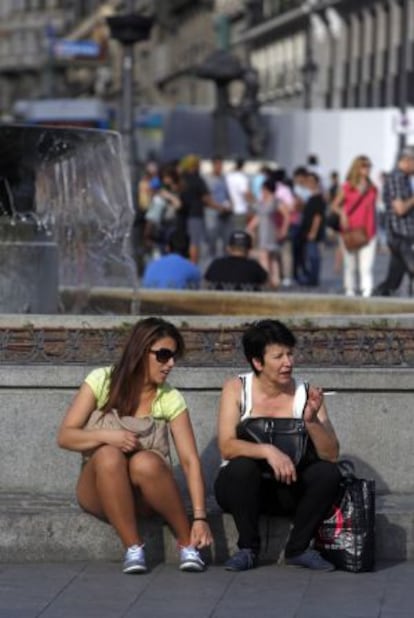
313	159
279	175
179	242
269	184
314	176
263	333
300	171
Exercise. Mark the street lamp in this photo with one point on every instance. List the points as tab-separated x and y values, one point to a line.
129	29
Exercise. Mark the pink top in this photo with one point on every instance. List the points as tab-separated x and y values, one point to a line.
364	215
284	194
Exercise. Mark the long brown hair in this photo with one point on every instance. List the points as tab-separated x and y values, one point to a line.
354	174
128	374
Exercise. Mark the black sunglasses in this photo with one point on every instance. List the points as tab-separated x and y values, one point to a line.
163	355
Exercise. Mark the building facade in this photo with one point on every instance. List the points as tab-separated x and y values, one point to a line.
331	53
64	48
39	57
309	53
313	54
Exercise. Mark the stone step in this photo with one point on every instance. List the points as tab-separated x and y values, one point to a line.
51	527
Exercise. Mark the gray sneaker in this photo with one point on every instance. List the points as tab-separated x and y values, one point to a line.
134	561
310	559
190	559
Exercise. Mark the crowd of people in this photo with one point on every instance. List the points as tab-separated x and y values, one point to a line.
266	231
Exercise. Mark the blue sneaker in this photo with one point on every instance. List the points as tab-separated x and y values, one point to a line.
134	561
310	559
242	560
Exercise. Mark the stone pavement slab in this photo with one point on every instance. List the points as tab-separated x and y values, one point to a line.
100	590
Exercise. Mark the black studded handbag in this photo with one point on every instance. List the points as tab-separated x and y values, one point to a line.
287	434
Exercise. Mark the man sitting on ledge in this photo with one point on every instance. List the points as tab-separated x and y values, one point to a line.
174	270
236	271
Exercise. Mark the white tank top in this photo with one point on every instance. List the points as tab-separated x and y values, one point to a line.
299	400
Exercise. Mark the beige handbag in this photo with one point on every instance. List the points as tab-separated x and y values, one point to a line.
152	433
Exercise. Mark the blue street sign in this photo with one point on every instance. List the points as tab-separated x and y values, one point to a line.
63	48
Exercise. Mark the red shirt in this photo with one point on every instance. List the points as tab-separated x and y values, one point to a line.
364	215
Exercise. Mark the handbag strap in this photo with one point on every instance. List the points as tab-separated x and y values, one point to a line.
246	394
346	468
357	203
299	400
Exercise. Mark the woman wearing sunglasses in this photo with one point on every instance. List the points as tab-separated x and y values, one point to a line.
120	481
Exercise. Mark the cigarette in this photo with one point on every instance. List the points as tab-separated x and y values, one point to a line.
330	392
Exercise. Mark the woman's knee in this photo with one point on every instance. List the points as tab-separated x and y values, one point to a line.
108	458
147	465
324	474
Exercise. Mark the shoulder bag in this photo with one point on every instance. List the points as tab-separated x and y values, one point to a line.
357	237
287	434
346	537
152	433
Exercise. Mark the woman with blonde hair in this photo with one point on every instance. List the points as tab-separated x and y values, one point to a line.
356	205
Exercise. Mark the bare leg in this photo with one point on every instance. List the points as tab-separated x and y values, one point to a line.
267	261
104	490
274	269
152	475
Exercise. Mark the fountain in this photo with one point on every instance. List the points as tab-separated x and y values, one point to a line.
65	215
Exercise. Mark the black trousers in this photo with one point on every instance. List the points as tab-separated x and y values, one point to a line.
242	491
396	269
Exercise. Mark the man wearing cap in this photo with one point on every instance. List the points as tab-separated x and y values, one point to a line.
398	199
236	271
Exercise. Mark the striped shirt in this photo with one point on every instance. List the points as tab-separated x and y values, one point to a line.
397	186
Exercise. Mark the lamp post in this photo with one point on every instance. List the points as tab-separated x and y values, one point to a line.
129	29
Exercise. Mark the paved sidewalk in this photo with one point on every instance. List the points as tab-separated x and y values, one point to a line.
100	590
